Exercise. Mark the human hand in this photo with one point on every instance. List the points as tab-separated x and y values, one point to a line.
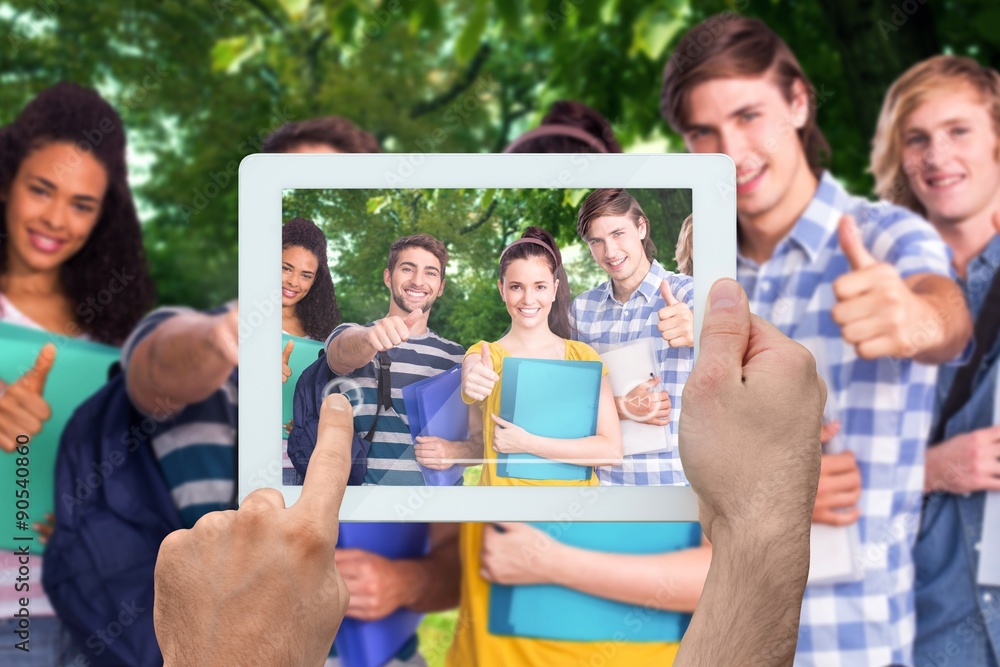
516	554
225	336
393	330
215	583
508	437
676	321
45	528
967	463
377	585
23	411
434	452
478	376
877	312
750	433
286	370
644	405
839	490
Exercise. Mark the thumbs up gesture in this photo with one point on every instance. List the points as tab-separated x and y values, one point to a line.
393	330
676	323
22	408
875	307
286	370
478	376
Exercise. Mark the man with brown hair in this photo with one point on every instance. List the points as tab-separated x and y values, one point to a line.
867	288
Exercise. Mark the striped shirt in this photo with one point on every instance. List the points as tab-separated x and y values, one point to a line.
391	459
884	408
196	446
601	321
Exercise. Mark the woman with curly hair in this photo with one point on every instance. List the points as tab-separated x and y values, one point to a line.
69	239
308	301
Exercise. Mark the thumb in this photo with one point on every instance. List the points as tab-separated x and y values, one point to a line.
996	221
852	245
34	379
413	317
286	355
485	352
668	296
725	335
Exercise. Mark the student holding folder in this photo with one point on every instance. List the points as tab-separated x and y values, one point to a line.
533	286
71	264
309	313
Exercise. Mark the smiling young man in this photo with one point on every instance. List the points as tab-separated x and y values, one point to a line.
937	152
640	299
866	287
414	275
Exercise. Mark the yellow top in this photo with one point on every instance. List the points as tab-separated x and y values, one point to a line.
575	351
474	646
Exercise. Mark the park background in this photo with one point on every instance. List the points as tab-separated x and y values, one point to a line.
200	84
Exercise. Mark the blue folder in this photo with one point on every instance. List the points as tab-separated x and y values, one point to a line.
554	612
551	398
434	406
374	643
79	370
304	353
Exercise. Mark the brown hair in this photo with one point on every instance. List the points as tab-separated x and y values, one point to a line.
617	202
683	253
903	98
727	46
425	241
571	117
340	133
546	249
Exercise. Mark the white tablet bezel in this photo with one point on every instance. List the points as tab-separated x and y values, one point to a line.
263	179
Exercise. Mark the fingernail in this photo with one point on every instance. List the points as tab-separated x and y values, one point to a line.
725	295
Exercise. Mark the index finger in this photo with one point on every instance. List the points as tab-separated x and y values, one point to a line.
330	464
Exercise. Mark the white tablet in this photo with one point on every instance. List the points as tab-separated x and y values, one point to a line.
475	205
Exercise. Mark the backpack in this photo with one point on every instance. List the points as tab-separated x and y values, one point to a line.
113	509
306	402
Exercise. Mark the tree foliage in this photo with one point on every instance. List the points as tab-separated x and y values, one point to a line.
201	84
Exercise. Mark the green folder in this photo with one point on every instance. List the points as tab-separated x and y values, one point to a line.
304	354
79	370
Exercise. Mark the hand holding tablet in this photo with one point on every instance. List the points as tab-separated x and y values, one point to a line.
214	580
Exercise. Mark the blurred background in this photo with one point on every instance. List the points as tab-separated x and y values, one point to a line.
200	84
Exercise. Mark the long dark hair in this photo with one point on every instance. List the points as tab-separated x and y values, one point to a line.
317	311
559	314
67	113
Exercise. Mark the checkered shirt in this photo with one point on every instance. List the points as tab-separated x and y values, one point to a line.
599	320
885	410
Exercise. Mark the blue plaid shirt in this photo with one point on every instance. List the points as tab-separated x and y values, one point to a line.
599	320
884	407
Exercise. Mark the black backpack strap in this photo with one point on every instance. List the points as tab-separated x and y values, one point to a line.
985	335
384	380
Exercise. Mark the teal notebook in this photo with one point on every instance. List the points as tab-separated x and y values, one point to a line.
305	351
79	370
555	612
551	398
